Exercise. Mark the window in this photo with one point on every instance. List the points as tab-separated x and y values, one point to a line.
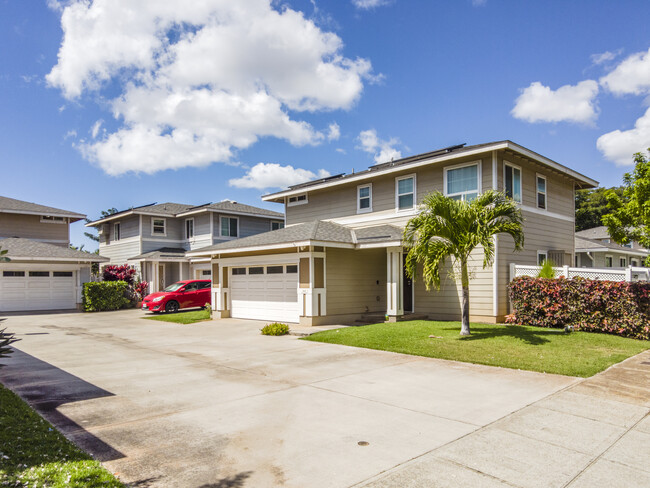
628	245
622	262
256	270
405	193
229	226
239	271
117	231
609	261
292	268
62	274
39	274
15	274
48	219
158	227
634	262
202	285
191	287
297	200
364	198
274	269
541	257
277	224
189	228
513	182
206	272
541	192
462	182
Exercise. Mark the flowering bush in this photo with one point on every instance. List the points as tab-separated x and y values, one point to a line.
140	289
610	307
119	273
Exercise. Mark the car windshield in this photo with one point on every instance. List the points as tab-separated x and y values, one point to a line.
174	287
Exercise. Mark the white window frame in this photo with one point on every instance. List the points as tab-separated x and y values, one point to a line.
52	219
221	236
117	234
479	178
297	202
164	234
277	222
542	253
622	262
545	193
629	245
521	179
186	233
611	258
369	209
397	195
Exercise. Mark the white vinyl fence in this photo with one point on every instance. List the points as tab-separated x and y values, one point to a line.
609	274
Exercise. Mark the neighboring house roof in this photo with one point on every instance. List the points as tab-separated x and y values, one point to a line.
594	233
583	244
317	232
170	209
163	253
427	158
11	205
20	249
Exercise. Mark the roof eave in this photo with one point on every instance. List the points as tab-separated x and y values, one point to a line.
69	215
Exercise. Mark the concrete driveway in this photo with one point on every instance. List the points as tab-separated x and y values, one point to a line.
216	404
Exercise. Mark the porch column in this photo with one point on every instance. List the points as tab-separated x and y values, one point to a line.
220	290
312	296
394	282
155	285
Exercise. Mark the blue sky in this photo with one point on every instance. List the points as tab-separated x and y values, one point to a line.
178	106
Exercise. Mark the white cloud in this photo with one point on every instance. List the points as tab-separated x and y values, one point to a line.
607	56
71	133
198	84
96	126
381	150
333	132
273	175
631	76
619	146
538	103
341	150
369	4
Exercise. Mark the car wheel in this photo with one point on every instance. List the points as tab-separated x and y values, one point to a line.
171	307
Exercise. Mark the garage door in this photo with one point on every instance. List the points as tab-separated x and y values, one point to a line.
265	293
37	290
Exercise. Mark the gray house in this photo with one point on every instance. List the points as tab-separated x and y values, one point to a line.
44	273
596	249
155	238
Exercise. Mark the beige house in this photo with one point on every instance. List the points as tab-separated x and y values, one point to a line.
341	257
594	248
44	273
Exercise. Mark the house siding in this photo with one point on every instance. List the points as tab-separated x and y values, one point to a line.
248	226
31	227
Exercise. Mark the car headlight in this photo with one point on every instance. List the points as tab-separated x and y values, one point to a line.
157	299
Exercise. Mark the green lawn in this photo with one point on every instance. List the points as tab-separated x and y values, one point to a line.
34	454
531	348
183	317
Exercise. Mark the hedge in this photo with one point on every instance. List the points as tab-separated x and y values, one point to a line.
105	295
610	307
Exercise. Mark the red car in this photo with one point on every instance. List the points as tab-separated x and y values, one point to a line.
182	294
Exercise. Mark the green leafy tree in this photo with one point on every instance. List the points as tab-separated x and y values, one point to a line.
629	219
104	213
447	228
591	206
3	256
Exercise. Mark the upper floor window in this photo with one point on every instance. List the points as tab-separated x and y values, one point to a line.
158	227
609	261
541	192
189	228
229	226
48	219
117	231
513	182
277	224
364	198
628	245
297	200
405	192
622	262
463	182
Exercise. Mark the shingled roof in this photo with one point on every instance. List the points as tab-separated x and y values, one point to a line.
26	249
11	205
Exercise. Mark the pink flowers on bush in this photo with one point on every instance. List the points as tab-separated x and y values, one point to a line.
609	307
136	289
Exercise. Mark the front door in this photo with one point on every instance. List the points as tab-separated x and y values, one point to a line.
407	290
161	277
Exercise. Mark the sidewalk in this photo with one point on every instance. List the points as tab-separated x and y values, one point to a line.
592	434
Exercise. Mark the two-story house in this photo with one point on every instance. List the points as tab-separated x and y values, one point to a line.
594	248
341	254
43	272
155	238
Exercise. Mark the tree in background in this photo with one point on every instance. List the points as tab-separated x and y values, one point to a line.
629	219
447	228
591	206
104	214
3	257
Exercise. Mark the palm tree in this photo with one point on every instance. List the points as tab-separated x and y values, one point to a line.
3	258
453	228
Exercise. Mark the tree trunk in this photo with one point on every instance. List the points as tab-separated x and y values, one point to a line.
464	280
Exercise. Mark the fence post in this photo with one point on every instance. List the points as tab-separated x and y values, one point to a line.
513	272
565	271
628	274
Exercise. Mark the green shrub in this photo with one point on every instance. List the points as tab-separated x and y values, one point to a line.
547	270
275	329
105	295
6	339
610	307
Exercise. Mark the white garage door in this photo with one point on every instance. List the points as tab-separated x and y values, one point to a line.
265	293
37	290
